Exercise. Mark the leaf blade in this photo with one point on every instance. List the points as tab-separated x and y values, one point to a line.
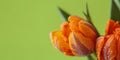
87	14
117	3
63	13
115	11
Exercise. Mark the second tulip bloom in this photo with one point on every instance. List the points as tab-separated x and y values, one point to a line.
108	46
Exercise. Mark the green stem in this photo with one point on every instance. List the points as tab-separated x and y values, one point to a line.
92	56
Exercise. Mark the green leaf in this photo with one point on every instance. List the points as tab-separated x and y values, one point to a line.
117	3
115	10
87	15
64	14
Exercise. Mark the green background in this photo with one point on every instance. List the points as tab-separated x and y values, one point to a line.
25	26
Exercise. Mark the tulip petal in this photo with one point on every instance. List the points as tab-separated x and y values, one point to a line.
88	25
58	41
87	30
74	18
84	32
111	26
77	47
99	46
110	23
65	29
118	50
110	48
117	35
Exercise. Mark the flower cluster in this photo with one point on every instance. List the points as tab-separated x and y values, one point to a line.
78	37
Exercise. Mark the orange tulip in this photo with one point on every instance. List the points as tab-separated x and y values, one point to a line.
108	46
75	38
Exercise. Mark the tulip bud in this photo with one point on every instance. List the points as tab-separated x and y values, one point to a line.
108	46
75	38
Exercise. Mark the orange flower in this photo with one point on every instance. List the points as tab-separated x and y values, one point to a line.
108	46
76	37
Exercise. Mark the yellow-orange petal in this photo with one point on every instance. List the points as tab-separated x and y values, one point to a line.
58	41
74	18
87	30
88	24
110	48
65	29
99	47
78	48
73	23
